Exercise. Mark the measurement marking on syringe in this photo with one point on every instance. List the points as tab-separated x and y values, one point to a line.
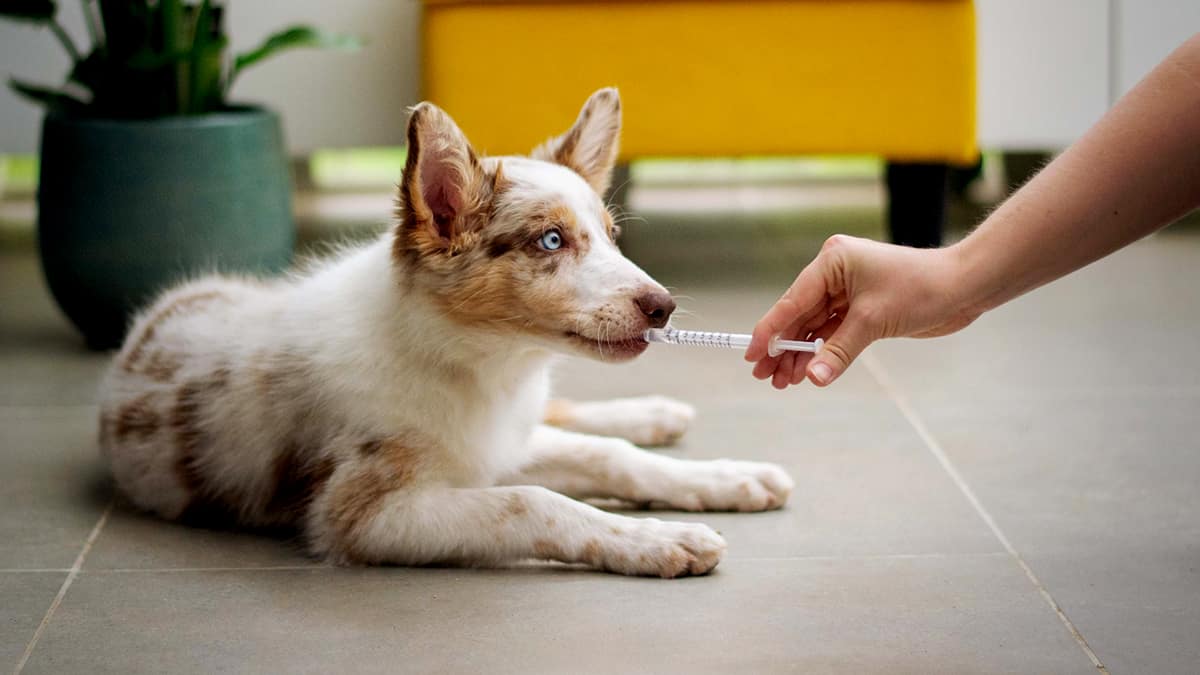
701	338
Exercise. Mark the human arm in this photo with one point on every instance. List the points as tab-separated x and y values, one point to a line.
1135	171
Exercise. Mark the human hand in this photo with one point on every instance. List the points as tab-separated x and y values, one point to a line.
854	292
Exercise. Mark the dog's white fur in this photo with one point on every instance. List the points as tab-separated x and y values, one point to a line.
394	412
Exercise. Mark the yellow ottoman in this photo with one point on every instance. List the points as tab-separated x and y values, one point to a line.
893	78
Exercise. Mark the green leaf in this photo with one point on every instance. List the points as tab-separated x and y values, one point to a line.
53	99
208	45
292	38
36	11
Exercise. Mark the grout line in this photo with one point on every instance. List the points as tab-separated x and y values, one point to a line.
880	374
36	570
261	568
870	557
66	585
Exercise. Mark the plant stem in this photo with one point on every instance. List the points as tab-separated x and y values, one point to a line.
65	40
93	24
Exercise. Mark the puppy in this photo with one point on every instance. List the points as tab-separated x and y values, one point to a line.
392	402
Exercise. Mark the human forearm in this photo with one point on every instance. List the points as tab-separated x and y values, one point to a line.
1135	171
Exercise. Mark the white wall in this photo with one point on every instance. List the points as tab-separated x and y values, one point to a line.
31	55
329	99
1146	31
333	99
1047	68
1043	71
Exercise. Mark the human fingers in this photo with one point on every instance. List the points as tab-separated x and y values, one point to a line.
805	298
783	373
848	340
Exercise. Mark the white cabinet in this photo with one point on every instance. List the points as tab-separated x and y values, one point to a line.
1049	68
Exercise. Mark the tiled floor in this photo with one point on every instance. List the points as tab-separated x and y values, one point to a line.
1023	497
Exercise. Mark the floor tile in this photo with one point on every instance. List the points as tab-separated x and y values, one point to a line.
24	598
956	615
1140	609
52	485
43	360
135	540
1130	322
1098	492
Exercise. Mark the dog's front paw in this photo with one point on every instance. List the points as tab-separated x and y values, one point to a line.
729	485
645	420
652	547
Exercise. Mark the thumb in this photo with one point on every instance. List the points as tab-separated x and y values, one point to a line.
840	350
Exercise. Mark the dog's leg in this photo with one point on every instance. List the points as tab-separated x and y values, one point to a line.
583	466
366	516
645	420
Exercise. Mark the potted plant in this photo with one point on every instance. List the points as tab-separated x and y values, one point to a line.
148	173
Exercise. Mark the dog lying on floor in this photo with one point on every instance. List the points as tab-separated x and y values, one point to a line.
392	401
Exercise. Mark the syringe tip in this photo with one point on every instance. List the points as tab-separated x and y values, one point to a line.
653	335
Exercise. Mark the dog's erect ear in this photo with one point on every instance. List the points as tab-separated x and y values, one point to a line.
590	147
443	181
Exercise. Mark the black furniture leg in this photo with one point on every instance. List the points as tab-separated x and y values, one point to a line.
917	203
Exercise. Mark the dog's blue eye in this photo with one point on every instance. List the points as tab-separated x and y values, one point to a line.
552	240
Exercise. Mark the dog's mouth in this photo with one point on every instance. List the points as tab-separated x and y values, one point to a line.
609	349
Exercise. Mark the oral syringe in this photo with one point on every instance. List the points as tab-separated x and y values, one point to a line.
701	338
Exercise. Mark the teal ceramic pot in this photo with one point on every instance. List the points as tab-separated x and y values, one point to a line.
128	207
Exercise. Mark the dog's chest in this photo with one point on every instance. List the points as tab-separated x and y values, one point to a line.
480	426
500	428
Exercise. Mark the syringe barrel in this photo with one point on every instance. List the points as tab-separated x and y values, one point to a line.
699	338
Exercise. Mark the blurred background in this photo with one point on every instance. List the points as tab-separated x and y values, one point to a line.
1044	71
1018	497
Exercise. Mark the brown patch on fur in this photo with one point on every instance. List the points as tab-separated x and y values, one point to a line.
559	412
546	549
591	553
516	505
563	150
176	307
390	467
187	423
422	232
677	562
272	372
500	182
298	475
500	293
550	522
534	224
369	448
162	366
593	161
276	374
505	242
136	418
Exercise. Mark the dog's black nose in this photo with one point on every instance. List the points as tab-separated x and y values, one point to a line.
657	306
